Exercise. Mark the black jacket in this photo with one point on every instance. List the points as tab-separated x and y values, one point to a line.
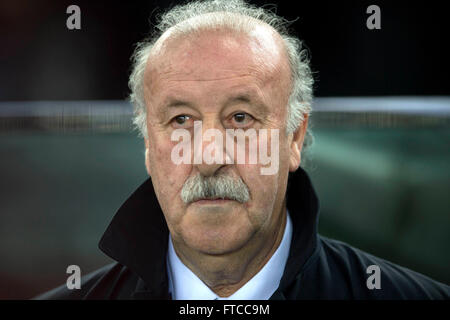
317	267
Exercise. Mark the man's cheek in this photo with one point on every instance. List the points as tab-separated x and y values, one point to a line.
159	158
261	186
162	161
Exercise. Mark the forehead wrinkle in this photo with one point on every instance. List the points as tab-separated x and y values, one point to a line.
250	95
254	73
209	80
164	79
169	80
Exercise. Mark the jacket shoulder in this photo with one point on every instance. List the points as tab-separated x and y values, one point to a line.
352	269
99	284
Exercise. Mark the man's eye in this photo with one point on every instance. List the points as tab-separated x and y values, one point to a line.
242	118
180	120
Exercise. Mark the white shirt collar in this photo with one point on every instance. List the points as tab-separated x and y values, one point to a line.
185	285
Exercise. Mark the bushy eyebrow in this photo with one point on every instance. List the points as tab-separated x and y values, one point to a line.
249	99
172	102
244	97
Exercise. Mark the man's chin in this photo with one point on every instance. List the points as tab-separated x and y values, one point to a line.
217	247
217	239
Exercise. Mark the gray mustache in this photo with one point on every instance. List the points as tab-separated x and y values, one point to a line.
214	187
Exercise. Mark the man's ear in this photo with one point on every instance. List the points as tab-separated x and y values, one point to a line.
147	157
297	145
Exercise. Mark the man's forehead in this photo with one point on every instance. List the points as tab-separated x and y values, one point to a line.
234	94
216	54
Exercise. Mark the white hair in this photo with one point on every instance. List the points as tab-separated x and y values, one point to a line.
235	15
214	187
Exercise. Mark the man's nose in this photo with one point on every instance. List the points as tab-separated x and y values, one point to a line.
208	170
210	144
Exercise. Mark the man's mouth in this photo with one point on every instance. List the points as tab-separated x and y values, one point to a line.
215	200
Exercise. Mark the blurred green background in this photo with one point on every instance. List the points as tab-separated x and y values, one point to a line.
383	188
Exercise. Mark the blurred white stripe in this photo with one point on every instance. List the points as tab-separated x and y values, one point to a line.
414	105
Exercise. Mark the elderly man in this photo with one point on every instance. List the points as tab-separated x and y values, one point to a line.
224	229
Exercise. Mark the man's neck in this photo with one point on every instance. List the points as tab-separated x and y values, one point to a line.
225	274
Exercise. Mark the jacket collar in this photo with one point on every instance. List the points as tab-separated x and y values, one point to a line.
137	236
